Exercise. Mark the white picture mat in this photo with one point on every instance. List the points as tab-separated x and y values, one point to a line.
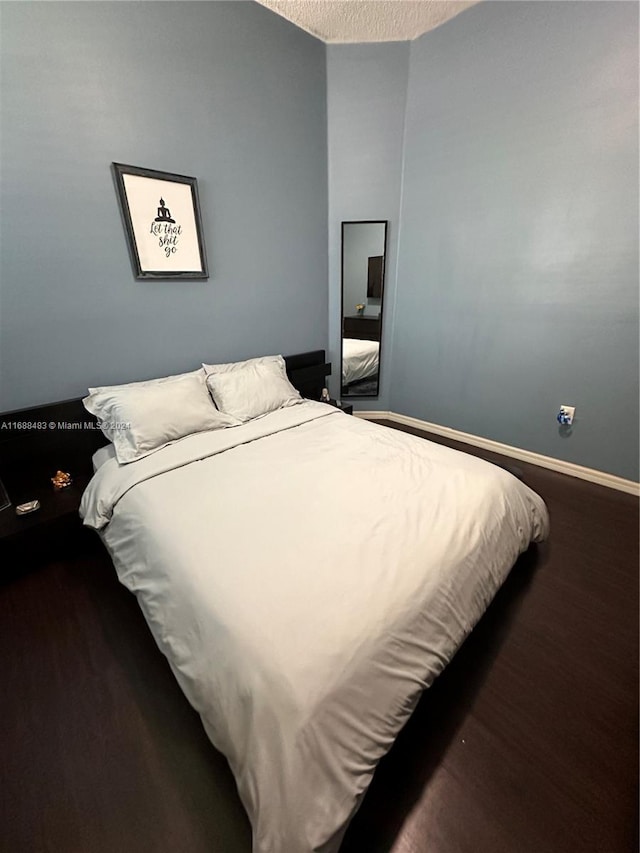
143	197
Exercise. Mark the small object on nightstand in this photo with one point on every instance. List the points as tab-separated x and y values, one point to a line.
325	397
61	480
26	508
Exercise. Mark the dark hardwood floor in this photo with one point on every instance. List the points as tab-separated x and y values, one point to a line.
526	744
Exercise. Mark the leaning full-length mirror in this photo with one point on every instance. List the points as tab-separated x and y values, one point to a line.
363	266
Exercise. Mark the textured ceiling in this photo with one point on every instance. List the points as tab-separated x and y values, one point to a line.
367	20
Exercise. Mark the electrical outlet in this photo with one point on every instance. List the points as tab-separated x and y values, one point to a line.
567	413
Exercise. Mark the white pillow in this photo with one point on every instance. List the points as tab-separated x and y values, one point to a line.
144	416
251	390
109	433
102	455
238	365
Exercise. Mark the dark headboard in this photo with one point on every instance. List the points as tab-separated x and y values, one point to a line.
308	372
64	435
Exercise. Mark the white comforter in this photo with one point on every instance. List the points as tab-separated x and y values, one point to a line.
307	575
359	359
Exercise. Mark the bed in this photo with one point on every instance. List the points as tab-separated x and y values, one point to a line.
307	575
359	360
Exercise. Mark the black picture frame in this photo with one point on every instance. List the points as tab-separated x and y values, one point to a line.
169	245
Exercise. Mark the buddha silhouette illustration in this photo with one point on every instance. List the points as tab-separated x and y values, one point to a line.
164	214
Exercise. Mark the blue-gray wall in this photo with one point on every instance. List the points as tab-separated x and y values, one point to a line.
518	261
226	91
366	90
502	147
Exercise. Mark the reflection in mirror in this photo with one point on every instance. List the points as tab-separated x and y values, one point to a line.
363	266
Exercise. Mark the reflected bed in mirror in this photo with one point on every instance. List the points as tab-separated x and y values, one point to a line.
364	246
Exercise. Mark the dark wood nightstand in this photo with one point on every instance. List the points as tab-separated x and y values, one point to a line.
365	328
57	508
54	531
34	444
347	408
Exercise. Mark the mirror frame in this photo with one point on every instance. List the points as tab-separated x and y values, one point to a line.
384	222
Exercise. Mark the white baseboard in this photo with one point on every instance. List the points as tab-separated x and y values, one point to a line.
602	478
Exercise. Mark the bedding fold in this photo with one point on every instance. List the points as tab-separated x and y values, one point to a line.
113	480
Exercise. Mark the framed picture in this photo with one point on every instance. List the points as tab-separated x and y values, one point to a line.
161	216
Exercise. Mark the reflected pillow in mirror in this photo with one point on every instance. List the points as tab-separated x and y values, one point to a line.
252	390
